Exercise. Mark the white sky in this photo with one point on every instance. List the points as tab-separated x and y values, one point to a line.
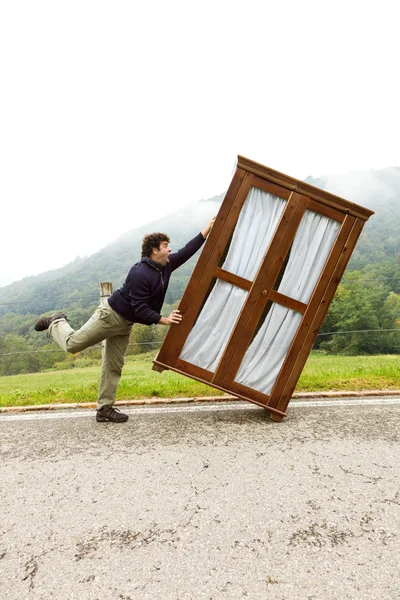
115	113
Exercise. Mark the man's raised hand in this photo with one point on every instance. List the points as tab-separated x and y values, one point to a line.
207	230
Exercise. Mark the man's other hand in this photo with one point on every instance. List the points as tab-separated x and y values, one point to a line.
174	318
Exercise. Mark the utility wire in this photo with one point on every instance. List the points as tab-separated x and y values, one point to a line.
386	278
134	344
175	292
358	331
61	350
42	300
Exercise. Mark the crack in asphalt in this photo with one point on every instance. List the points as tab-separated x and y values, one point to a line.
373	480
124	539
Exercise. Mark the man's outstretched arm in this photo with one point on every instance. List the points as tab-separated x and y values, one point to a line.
178	258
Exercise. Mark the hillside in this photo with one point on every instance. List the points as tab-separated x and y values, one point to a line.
77	284
368	299
379	191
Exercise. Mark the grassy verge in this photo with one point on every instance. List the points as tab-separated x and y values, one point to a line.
321	373
350	373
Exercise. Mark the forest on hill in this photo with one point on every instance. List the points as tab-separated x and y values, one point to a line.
364	317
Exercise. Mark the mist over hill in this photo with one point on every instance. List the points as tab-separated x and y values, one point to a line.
77	283
379	191
364	317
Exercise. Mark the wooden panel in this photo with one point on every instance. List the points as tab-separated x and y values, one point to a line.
240	282
261	289
313	329
275	411
327	211
238	388
270	187
287	301
207	263
319	303
304	188
192	369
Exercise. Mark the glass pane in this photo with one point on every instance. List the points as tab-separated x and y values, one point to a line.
264	315
253	233
313	241
282	271
208	339
225	253
208	292
266	353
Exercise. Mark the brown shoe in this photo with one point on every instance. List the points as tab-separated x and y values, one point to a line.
44	322
109	413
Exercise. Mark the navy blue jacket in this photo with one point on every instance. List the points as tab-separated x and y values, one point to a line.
142	294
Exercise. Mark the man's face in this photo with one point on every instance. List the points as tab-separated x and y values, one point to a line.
161	255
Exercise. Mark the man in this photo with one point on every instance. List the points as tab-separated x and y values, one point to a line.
139	300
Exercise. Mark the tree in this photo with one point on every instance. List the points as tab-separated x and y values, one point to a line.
362	305
143	339
16	356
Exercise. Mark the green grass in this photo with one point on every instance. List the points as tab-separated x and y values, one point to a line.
350	373
321	373
80	384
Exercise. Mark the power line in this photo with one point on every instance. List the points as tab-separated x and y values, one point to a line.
360	282
61	350
43	300
134	344
174	293
387	278
47	300
358	331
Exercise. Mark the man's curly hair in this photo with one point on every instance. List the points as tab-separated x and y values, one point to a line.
153	240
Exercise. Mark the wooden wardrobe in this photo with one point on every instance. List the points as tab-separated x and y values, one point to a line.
283	302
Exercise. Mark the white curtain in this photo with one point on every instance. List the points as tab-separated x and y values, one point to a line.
254	231
264	357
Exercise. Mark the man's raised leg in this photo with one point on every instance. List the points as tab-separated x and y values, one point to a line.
102	324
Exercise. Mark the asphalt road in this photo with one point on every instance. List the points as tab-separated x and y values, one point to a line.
209	502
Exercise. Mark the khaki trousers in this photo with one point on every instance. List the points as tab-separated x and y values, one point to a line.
104	324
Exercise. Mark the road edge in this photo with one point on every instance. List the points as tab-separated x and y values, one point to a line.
192	400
